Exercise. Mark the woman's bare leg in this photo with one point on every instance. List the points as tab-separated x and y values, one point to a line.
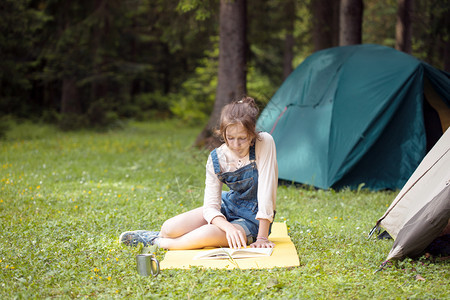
190	230
183	223
208	235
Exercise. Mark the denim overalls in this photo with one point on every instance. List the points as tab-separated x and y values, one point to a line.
240	204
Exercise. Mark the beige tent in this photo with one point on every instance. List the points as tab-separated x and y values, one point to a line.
421	210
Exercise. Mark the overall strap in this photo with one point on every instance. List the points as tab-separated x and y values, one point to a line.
215	161
252	155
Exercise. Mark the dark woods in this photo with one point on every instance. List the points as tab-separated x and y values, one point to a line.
93	63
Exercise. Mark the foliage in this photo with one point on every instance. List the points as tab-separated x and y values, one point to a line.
203	9
431	24
4	126
124	54
19	28
379	22
194	102
265	39
259	86
302	32
113	50
430	21
150	106
65	198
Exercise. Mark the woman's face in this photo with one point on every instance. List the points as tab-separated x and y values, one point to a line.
237	139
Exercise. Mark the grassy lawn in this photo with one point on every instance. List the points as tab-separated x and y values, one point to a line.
66	197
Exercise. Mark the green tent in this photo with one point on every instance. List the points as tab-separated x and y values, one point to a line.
357	114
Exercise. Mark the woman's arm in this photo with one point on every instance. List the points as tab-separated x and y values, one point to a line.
267	188
213	194
266	161
262	240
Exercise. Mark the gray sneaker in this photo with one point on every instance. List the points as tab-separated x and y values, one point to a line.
133	238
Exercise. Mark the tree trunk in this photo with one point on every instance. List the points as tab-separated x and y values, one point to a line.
446	38
336	7
99	88
350	27
447	56
323	23
288	56
403	32
70	102
232	65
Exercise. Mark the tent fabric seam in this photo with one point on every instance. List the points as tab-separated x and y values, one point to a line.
278	119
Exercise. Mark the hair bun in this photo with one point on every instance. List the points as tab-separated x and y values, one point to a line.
247	100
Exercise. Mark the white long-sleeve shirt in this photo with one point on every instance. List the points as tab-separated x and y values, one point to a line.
266	162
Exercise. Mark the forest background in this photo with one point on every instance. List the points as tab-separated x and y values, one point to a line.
94	64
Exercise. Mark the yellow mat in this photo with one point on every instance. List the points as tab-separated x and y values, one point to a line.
284	255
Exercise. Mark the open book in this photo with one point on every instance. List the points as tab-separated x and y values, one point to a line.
226	253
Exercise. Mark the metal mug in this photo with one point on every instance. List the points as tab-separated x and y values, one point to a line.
147	264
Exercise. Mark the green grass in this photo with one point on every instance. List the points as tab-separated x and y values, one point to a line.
65	198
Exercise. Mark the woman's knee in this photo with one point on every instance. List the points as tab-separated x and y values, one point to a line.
183	223
168	229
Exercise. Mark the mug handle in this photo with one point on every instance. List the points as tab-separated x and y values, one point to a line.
154	266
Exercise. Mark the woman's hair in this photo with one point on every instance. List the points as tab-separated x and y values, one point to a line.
244	112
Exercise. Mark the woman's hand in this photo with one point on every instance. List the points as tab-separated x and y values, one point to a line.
262	240
262	243
236	238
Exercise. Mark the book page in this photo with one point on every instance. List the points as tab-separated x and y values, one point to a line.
226	253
